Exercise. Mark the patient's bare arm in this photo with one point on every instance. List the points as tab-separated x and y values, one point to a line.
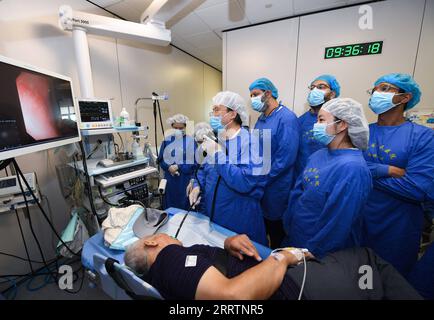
259	282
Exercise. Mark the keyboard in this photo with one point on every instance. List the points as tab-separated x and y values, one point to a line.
115	177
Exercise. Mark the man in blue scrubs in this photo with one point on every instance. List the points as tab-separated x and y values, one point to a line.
230	178
325	208
176	158
284	128
401	160
322	89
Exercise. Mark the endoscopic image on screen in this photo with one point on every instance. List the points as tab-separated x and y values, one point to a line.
34	108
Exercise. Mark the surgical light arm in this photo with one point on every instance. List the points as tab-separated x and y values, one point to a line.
100	25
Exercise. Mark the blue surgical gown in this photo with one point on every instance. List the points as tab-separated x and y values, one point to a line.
178	151
324	214
241	187
421	276
283	125
393	214
308	144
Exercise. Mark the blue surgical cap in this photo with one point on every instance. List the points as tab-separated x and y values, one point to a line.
265	85
333	83
404	82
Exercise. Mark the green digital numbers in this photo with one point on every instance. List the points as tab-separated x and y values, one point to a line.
330	53
354	50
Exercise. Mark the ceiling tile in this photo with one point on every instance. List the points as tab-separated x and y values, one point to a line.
303	6
130	9
263	10
223	15
204	40
190	25
210	3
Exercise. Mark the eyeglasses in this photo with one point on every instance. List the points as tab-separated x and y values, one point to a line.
320	86
217	110
384	88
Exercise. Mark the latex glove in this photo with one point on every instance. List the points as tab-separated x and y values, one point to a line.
189	187
173	170
193	197
211	147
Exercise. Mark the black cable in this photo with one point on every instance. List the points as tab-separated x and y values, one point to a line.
24	241
29	275
81	284
88	187
28	213
17	168
214	197
122	141
23	275
155	126
23	259
116	145
183	220
195	176
161	119
105	200
99	141
5	163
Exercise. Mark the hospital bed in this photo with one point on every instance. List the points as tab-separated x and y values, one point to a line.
105	267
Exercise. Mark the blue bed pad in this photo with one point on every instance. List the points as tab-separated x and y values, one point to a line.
95	245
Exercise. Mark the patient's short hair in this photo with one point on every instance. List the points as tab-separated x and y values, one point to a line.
136	258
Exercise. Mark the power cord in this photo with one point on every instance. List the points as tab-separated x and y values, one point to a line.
29	276
86	173
24	241
21	258
18	170
122	142
29	215
105	200
99	141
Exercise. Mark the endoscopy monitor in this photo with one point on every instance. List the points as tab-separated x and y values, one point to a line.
37	110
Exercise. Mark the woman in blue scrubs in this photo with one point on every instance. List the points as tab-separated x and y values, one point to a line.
231	180
401	159
176	158
322	89
324	211
282	124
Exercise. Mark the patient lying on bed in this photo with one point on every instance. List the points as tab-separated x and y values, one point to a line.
237	272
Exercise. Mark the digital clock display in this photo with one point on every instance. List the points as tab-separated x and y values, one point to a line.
353	50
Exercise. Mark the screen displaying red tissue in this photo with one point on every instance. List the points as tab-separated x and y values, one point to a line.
34	94
35	108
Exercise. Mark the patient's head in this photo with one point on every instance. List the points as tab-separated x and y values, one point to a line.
140	255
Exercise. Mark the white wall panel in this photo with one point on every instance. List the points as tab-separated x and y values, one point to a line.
267	50
424	73
396	22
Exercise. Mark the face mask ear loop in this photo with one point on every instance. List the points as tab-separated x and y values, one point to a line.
225	126
335	122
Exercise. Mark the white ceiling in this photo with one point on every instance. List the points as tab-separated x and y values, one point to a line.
200	32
